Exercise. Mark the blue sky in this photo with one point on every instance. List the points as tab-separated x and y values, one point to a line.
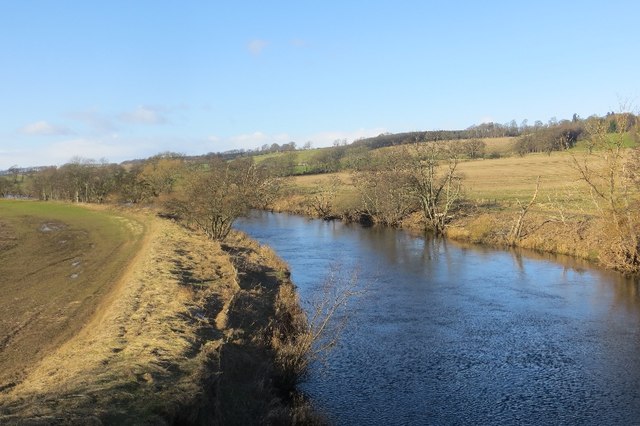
129	79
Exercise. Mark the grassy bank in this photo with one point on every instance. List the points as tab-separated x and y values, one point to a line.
563	219
184	337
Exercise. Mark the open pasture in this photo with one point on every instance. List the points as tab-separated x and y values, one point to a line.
57	261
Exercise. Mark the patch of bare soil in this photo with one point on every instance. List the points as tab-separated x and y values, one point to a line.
8	238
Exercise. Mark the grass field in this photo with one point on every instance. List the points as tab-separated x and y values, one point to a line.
503	180
57	262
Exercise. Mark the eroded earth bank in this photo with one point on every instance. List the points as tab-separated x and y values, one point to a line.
188	335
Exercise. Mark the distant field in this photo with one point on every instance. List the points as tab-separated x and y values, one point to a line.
502	179
301	156
500	146
56	263
515	177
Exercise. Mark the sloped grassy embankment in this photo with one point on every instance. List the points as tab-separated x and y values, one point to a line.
185	337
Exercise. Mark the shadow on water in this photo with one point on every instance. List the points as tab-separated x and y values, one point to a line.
459	334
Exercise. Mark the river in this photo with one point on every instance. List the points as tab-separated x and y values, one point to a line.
452	334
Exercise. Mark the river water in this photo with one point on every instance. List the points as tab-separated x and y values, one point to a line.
448	334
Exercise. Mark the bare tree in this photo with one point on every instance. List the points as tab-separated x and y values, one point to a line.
422	177
14	171
218	193
313	334
434	181
322	201
474	148
160	173
609	176
384	189
516	230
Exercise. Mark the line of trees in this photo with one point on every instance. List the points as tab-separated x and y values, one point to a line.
563	135
89	181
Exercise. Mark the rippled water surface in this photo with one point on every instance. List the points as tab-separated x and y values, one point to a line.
453	335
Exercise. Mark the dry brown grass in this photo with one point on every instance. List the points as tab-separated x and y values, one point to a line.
580	237
506	179
184	337
503	146
501	180
145	354
255	385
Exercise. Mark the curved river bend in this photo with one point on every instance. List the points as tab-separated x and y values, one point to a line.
451	335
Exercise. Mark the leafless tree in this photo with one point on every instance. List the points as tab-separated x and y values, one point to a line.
609	175
474	148
384	189
217	194
323	200
516	230
313	334
434	181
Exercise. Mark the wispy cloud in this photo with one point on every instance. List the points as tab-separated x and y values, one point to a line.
45	128
327	138
256	46
256	139
259	138
61	152
144	115
249	138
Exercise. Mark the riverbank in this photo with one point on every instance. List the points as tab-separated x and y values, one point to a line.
450	333
547	226
184	337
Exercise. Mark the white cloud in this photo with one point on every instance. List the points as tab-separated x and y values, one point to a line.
119	145
256	139
45	128
256	46
327	138
62	152
58	153
144	115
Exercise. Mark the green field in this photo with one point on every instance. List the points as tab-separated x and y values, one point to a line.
57	261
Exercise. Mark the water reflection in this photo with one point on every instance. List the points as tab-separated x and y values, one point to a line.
460	334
